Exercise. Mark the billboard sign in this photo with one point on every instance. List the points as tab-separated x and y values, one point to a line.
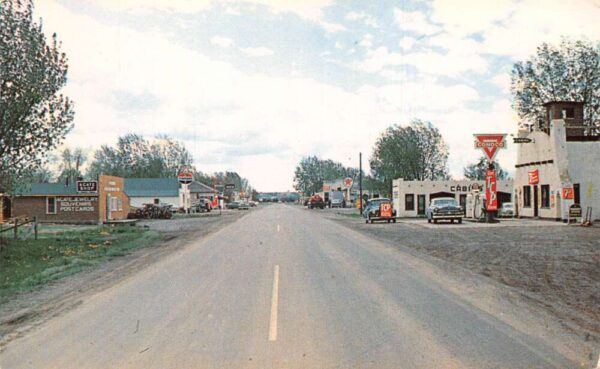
490	143
490	190
534	177
568	193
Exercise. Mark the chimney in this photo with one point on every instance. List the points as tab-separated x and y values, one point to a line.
569	111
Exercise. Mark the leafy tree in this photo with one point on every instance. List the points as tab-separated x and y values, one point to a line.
136	157
476	171
311	172
71	163
34	117
569	71
413	152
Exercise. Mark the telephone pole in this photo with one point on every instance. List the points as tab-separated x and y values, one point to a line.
360	181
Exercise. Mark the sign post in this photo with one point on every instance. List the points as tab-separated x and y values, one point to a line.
490	143
185	177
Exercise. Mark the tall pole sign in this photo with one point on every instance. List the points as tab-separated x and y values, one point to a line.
490	143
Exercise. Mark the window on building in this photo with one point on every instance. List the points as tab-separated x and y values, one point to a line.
545	196
576	195
120	204
114	204
526	196
568	113
50	205
409	201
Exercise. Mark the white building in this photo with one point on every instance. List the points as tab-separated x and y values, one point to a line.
411	198
562	154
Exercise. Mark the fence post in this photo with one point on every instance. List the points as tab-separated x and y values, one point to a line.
16	229
35	227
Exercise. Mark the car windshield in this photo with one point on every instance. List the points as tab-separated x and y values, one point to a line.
444	202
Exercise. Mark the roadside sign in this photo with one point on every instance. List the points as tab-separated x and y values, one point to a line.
87	187
534	177
575	211
185	177
568	193
348	182
230	186
522	140
490	143
326	188
385	210
490	190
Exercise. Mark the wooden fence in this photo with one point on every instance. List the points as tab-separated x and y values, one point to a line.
13	225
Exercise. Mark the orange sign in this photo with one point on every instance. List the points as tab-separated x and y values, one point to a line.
348	182
568	194
385	210
534	177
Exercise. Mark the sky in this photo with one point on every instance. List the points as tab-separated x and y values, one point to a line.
253	86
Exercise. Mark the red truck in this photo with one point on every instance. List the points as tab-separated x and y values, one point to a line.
316	201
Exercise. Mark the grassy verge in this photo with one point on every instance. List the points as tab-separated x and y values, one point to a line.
61	251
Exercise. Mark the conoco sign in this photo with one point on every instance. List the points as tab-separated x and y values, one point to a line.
490	143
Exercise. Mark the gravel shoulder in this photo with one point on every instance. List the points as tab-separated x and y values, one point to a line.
25	311
548	268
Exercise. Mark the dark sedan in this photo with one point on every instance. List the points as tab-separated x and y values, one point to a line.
444	208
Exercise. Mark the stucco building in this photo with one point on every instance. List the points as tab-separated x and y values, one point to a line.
559	165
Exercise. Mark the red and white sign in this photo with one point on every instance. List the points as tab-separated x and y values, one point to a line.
490	190
185	177
490	143
348	182
385	210
568	193
534	177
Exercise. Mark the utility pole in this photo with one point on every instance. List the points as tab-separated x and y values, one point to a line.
360	181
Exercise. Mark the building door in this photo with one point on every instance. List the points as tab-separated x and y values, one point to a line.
108	208
576	194
420	204
5	208
535	201
463	201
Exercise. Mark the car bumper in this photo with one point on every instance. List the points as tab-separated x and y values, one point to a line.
447	216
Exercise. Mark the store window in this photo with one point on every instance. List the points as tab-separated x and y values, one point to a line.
409	201
545	196
114	204
50	205
526	196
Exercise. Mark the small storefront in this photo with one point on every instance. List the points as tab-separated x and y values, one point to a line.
411	198
89	202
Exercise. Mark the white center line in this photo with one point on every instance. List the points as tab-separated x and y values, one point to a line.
598	365
274	303
278	228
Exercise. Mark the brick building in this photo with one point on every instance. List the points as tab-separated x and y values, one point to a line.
81	202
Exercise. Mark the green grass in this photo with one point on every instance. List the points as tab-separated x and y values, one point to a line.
351	215
61	251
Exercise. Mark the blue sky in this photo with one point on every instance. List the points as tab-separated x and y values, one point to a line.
253	86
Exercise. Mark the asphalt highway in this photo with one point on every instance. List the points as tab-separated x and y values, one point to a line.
280	288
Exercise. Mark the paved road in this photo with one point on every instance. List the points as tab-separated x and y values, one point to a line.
280	288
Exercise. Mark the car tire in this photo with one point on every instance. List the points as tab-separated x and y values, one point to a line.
452	221
389	220
435	221
428	220
460	221
394	220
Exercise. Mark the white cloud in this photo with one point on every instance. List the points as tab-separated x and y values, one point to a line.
406	42
367	19
256	51
414	22
221	41
450	63
366	40
502	80
465	17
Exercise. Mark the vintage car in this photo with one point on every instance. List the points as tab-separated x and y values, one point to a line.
316	201
379	209
444	208
507	210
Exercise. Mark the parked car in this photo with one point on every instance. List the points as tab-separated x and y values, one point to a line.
233	205
316	201
336	199
507	210
444	208
375	209
243	206
202	205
